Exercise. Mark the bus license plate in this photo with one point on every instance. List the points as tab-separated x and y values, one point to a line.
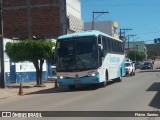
77	81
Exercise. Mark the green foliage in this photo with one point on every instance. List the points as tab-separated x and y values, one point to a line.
136	55
29	50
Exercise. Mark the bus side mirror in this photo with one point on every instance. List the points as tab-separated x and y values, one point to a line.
101	51
100	47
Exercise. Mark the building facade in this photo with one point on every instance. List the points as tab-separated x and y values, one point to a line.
108	27
153	50
137	46
74	18
23	19
40	18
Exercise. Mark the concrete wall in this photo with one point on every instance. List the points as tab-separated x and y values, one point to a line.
75	22
74	8
40	18
153	50
103	26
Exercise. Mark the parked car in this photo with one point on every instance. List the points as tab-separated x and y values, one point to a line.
53	67
147	65
138	65
130	68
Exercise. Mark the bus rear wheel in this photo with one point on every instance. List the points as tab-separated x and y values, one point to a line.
119	79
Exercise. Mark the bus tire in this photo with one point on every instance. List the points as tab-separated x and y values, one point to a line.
104	84
119	79
71	87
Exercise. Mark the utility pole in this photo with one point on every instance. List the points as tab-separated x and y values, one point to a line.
123	32
93	17
128	40
137	49
2	71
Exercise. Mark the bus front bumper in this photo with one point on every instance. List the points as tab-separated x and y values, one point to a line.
78	81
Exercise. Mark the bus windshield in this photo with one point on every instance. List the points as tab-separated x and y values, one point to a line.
76	54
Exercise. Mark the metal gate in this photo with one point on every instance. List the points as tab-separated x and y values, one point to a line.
12	73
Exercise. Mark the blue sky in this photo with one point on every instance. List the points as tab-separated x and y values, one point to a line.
143	16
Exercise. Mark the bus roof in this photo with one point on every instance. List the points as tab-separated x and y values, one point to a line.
85	33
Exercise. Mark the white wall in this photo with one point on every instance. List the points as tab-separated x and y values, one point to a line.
27	67
6	58
20	66
74	15
74	8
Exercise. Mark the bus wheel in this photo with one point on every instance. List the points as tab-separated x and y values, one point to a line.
71	87
104	84
120	78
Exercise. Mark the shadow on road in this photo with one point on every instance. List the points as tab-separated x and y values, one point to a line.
155	103
66	89
17	86
154	70
44	91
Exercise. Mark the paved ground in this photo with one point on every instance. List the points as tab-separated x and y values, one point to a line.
13	89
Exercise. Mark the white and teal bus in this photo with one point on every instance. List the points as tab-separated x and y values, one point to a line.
89	57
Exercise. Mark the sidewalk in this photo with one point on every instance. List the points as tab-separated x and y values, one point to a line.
12	90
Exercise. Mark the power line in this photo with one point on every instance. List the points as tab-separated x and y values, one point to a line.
148	33
99	14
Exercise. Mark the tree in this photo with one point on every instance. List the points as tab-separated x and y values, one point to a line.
136	55
35	51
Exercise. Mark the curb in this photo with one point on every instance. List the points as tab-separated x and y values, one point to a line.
5	95
12	90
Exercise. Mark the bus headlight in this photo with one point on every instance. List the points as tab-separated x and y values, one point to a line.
61	77
93	74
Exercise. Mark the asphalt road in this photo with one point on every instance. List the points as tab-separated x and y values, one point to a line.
137	93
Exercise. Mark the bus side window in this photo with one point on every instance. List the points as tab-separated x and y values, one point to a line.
110	45
107	44
119	47
104	43
99	40
122	46
113	45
